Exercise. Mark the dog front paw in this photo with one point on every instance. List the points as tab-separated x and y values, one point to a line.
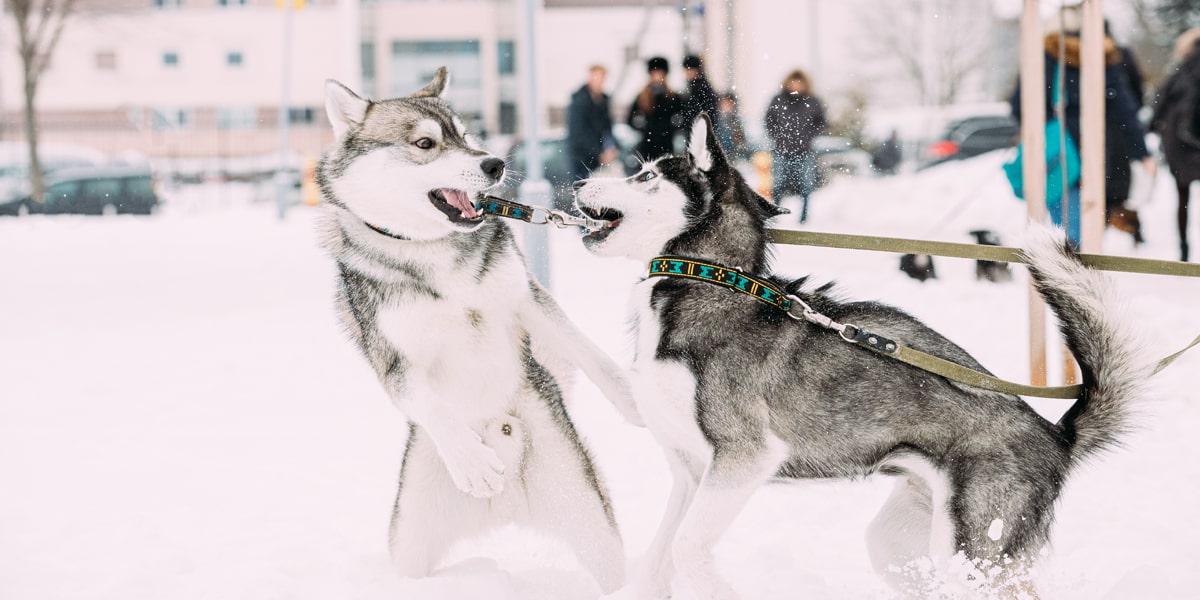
475	468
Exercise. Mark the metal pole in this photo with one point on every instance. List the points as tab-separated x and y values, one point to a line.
535	190
352	43
282	180
1033	132
731	45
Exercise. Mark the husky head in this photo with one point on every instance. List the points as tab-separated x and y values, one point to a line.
696	204
405	165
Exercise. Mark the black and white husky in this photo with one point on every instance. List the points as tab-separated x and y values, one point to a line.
472	350
737	392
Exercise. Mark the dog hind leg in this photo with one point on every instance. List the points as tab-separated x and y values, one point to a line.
1002	520
730	480
430	513
566	498
655	579
899	537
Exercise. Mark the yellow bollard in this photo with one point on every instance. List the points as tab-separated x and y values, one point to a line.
309	192
762	164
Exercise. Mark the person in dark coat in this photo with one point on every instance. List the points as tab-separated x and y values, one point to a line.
795	117
885	159
728	126
656	113
1177	120
1124	140
700	95
589	126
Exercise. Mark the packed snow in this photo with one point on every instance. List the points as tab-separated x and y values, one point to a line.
181	416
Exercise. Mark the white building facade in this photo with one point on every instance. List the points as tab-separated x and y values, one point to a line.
206	77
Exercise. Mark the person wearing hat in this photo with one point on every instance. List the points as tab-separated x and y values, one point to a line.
656	113
700	98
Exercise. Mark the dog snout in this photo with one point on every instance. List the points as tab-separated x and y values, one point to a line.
492	167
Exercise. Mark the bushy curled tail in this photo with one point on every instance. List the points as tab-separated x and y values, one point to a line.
1108	354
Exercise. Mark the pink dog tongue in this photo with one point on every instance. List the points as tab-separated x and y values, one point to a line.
458	199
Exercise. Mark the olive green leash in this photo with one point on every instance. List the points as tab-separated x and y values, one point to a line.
769	293
974	251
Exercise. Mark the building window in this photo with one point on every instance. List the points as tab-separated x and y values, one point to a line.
305	115
170	59
171	118
168	3
231	2
233	59
366	55
106	60
506	57
413	65
237	118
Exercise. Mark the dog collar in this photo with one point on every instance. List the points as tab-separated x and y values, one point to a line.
491	205
384	231
763	290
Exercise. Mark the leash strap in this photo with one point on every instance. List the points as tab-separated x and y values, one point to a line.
733	279
764	291
500	207
1102	262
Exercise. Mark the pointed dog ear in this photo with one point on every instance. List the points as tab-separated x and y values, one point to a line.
702	144
437	87
770	209
344	108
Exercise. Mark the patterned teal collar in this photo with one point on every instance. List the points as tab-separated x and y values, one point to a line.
491	205
677	266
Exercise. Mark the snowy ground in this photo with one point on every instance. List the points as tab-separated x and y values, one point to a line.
180	416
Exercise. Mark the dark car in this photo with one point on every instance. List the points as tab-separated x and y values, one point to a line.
105	190
556	169
972	136
838	156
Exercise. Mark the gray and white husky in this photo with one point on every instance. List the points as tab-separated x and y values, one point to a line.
737	392
467	345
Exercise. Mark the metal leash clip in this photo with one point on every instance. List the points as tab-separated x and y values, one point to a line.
563	220
846	332
536	215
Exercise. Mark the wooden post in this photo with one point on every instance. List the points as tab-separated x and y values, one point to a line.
1033	133
1091	126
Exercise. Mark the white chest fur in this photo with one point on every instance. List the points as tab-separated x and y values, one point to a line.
466	344
665	390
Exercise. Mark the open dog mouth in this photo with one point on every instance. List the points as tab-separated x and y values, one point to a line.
611	216
456	205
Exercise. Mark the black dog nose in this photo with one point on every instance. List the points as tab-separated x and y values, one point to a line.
578	185
493	167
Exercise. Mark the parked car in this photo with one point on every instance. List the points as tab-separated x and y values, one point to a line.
556	169
972	136
838	156
104	190
14	169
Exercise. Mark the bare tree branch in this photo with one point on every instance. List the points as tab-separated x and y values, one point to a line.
39	28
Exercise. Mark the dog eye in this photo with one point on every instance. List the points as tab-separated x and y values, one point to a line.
647	176
424	143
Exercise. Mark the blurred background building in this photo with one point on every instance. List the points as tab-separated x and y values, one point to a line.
180	78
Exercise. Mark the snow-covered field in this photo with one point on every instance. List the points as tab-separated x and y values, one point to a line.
181	417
